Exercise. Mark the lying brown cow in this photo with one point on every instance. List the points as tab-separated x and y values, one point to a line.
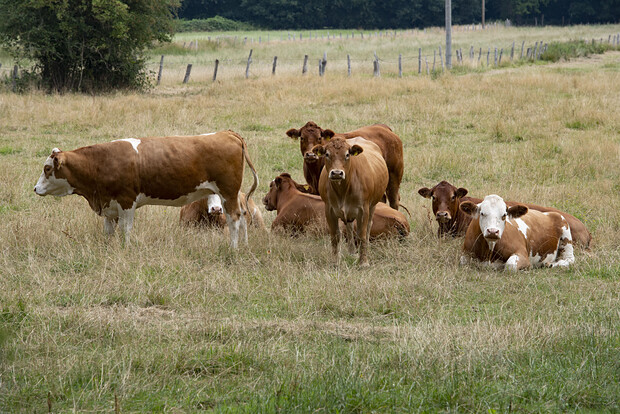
351	184
120	176
517	236
299	212
452	221
209	212
390	145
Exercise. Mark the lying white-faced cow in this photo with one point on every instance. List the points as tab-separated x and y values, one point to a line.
351	184
120	176
516	235
209	212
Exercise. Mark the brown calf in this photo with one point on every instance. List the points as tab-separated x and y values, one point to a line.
351	184
209	212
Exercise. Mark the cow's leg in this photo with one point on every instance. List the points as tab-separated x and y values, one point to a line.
363	233
334	230
125	221
350	237
109	225
233	218
517	261
392	191
565	255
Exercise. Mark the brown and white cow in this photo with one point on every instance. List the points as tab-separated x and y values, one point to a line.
517	236
390	145
452	221
299	212
209	212
120	176
351	184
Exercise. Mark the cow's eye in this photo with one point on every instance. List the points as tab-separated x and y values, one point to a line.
433	197
327	154
481	213
453	197
504	217
347	156
47	169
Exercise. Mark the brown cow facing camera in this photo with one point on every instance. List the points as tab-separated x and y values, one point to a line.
390	146
351	184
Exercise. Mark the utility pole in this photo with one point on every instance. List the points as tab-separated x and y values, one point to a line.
482	14
449	34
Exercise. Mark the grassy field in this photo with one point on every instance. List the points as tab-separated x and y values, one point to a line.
177	322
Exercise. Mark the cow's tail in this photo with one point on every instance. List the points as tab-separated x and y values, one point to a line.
244	150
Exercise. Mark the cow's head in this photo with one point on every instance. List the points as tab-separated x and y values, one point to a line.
54	179
492	214
446	199
310	135
279	184
338	155
214	204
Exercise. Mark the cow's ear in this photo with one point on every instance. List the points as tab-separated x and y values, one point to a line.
425	192
287	175
57	161
293	133
470	208
319	150
517	211
278	181
460	192
356	150
327	134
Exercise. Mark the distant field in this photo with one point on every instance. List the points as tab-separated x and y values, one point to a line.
177	322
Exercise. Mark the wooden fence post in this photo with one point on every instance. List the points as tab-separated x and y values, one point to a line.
348	65
495	58
161	68
187	72
320	68
275	61
488	55
434	58
522	46
400	63
376	72
305	67
419	60
323	63
512	51
479	55
501	52
217	63
440	59
247	68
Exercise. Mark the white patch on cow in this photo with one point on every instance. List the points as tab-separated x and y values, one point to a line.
512	262
214	204
210	133
133	141
51	185
523	228
491	210
202	191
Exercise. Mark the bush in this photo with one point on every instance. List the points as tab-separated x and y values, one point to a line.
573	49
212	24
85	45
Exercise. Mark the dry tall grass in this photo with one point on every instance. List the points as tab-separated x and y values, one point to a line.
177	320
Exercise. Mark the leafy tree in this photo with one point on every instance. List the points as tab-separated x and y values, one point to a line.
86	45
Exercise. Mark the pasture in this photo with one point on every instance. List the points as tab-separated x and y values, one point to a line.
178	322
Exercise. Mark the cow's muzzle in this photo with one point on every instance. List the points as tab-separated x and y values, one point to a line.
267	205
443	216
492	234
311	157
336	175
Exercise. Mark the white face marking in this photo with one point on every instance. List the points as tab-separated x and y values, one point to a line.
51	185
214	204
491	215
133	141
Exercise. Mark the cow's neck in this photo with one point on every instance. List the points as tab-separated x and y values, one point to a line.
83	182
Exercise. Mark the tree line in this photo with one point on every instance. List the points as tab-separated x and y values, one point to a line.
394	14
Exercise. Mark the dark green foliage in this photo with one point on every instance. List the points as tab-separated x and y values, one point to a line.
390	14
85	45
211	24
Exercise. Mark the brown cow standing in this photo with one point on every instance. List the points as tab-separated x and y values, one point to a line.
389	143
299	212
454	222
209	212
351	184
120	176
516	236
